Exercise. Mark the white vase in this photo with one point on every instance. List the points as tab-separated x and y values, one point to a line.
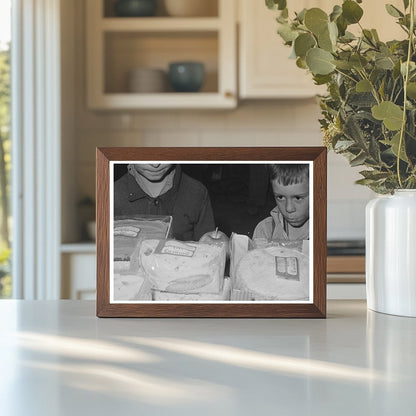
391	253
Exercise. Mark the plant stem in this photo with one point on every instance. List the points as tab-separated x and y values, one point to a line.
373	88
346	75
406	79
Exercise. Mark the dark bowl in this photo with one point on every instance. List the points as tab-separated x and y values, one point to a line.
186	76
135	8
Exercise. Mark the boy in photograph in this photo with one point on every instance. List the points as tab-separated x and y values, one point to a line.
289	220
163	189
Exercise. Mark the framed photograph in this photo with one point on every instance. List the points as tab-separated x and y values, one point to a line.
211	232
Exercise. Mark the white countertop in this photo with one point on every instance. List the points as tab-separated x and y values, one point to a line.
57	358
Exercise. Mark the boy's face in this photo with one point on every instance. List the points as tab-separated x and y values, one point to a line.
153	172
293	201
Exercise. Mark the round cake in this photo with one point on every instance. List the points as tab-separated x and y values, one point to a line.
274	273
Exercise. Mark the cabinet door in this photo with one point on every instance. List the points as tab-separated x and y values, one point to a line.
265	69
78	276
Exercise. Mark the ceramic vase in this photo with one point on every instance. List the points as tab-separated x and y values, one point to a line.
391	253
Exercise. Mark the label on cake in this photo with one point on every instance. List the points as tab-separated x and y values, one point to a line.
127	231
175	248
287	268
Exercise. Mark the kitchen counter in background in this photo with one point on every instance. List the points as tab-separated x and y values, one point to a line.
57	358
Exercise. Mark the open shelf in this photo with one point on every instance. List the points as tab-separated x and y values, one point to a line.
209	9
127	51
118	45
160	24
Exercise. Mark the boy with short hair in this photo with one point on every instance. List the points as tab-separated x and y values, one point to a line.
289	220
163	189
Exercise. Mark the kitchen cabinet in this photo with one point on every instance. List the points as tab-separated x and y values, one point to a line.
118	45
78	263
265	70
346	277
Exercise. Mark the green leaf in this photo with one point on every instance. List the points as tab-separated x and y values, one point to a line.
394	143
374	150
368	36
412	67
405	21
319	61
362	99
333	32
276	4
354	132
375	35
287	33
316	20
365	182
384	62
358	160
282	20
301	63
351	11
321	79
336	12
374	174
344	65
301	15
411	124
334	91
388	112
393	11
325	42
411	90
363	86
406	4
382	89
303	43
342	25
358	61
347	37
343	145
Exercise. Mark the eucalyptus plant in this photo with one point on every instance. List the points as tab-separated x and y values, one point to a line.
369	111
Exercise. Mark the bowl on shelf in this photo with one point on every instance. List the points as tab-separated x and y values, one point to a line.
186	76
135	8
147	80
191	8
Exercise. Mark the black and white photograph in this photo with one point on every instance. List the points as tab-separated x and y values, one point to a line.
211	231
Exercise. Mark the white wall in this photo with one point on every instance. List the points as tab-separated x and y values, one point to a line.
253	123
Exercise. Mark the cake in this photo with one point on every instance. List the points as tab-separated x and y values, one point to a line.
128	234
272	273
127	287
183	267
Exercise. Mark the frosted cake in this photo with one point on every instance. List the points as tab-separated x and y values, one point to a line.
273	273
179	267
128	234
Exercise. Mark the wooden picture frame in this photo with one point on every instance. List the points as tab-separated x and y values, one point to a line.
233	158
